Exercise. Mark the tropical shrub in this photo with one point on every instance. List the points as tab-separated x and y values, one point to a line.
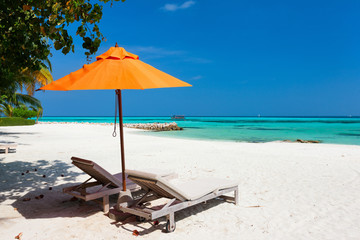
24	112
15	121
8	103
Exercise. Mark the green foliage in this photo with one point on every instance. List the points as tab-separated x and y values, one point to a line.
39	112
2	98
32	80
6	109
28	29
15	121
24	112
25	99
9	103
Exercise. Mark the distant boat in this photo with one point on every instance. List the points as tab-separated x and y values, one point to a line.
178	117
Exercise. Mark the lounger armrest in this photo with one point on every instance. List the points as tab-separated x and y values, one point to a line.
82	161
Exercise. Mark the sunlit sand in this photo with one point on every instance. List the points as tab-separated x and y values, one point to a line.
287	190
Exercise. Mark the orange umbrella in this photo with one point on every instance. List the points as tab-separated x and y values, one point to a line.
116	69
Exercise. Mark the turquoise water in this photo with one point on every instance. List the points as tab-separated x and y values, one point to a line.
248	129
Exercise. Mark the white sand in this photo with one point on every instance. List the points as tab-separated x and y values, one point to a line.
287	190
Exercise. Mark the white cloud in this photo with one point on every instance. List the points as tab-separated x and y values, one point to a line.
151	52
197	77
187	4
197	60
172	7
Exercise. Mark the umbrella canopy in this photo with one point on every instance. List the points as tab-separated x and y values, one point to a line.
116	69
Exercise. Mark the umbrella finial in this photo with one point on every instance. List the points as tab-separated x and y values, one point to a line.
116	45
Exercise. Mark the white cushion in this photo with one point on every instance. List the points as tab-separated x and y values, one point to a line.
185	190
194	189
151	173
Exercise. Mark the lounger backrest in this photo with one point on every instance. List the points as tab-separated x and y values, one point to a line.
152	185
181	190
97	172
160	185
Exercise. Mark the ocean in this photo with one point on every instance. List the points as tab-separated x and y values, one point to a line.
339	130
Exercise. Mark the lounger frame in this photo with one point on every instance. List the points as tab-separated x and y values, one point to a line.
80	191
106	183
8	147
156	190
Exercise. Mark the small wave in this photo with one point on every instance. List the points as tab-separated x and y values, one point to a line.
350	134
266	129
280	121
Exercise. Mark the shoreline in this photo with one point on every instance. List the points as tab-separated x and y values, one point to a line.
195	138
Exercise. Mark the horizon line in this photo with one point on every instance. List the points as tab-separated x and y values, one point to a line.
284	116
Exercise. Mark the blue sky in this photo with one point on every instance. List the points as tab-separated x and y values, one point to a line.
243	58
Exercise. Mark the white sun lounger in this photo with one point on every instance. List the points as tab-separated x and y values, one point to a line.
7	147
181	194
105	184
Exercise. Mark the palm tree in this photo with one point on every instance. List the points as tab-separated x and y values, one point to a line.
17	99
29	81
39	112
36	79
6	109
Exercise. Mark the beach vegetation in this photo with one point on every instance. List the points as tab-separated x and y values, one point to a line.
18	100
30	28
39	112
6	109
24	112
27	81
15	121
32	80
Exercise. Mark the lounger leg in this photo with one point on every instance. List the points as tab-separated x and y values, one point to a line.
125	199
82	191
170	222
6	150
106	204
236	196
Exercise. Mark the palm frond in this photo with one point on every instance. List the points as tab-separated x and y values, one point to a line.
34	79
43	76
47	64
39	112
6	109
30	89
27	99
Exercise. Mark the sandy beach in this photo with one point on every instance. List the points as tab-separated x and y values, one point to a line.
287	190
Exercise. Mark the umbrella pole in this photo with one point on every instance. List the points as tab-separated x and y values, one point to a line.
118	93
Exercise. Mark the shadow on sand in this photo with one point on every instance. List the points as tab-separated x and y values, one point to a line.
180	215
15	134
15	180
44	197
